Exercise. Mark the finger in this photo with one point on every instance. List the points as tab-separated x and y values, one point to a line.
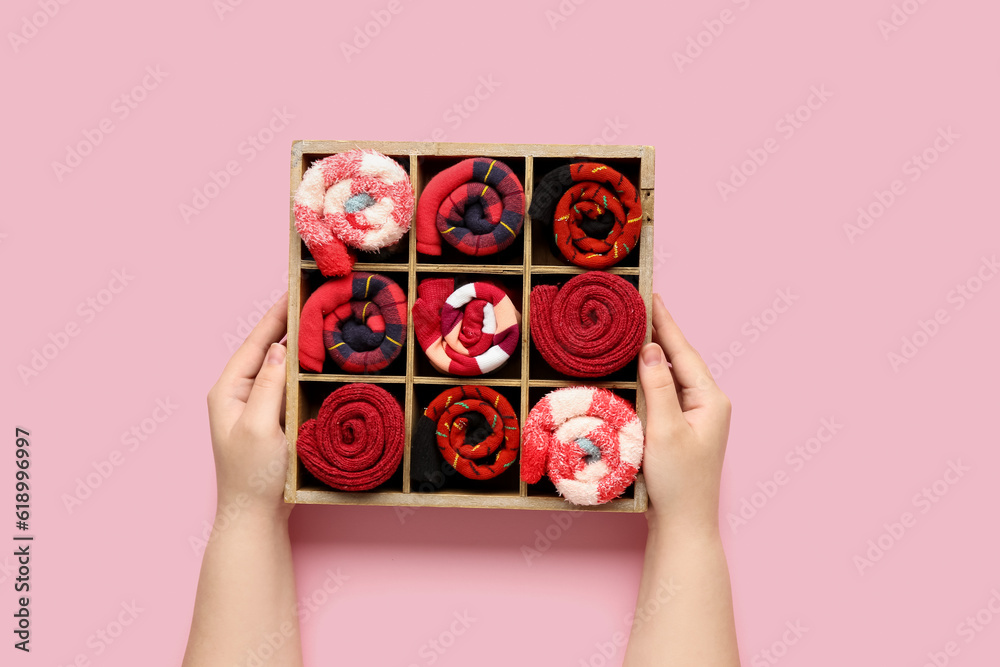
689	368
263	409
663	410
242	368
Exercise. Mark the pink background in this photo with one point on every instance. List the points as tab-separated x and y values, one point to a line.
608	67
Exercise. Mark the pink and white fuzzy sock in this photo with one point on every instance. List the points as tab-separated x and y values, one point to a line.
359	199
589	442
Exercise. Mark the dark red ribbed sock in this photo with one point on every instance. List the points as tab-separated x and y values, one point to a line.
356	441
591	326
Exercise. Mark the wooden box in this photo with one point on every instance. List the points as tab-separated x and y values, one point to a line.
411	378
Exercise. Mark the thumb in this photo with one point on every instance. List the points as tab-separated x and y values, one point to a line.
663	410
264	404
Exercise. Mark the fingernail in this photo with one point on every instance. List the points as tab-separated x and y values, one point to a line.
660	299
652	355
276	354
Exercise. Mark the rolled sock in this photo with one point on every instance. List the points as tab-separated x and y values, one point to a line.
594	211
468	330
477	206
472	429
591	326
588	441
359	199
358	320
355	442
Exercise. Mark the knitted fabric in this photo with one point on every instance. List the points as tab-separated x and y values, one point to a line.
588	441
470	330
594	211
592	326
356	441
475	430
360	321
477	205
358	199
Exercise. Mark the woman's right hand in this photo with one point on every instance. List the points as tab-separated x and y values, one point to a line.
687	427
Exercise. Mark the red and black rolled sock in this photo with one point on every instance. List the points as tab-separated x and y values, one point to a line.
593	325
471	429
358	320
355	442
476	205
594	211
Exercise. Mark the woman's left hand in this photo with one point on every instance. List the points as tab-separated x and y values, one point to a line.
246	415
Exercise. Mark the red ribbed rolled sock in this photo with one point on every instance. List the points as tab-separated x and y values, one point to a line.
591	326
355	442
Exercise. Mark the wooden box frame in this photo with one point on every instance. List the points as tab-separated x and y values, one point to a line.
525	379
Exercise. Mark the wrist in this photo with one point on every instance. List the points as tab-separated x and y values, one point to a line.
676	526
250	507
